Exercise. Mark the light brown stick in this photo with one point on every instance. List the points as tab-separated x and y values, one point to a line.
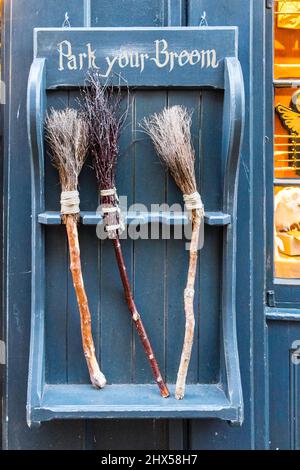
96	376
170	132
189	308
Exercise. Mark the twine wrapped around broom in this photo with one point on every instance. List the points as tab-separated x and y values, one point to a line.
67	135
102	106
170	132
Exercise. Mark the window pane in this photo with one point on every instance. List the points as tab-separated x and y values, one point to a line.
287	45
287	231
287	127
287	139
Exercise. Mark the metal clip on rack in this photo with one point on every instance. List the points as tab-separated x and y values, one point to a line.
222	400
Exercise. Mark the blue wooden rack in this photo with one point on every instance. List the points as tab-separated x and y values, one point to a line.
222	400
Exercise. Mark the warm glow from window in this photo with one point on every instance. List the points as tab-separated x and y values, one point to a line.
287	138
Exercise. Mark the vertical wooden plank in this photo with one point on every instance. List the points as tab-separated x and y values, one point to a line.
209	324
115	320
178	433
87	13
57	100
282	385
56	304
53	14
176	12
211	434
211	187
143	434
56	262
294	403
149	283
127	13
211	169
177	265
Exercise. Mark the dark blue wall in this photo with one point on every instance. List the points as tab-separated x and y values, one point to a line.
250	16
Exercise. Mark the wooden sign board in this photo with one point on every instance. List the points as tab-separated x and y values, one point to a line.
168	57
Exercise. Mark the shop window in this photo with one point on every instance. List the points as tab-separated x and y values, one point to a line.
287	139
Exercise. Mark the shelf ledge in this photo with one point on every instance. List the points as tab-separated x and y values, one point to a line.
132	401
139	218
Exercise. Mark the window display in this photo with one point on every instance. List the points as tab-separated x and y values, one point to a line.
287	140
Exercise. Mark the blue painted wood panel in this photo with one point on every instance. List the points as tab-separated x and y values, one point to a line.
284	343
124	13
144	180
249	16
56	293
123	434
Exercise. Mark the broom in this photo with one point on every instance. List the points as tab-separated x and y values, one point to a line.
170	132
102	104
67	135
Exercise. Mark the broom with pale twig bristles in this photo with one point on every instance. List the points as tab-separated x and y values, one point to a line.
102	105
170	132
67	136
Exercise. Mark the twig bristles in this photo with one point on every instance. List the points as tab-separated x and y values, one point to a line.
170	131
67	136
102	104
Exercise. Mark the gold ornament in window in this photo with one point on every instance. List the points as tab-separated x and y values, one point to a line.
288	14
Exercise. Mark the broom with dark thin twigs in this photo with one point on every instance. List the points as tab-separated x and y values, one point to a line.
170	132
102	104
67	136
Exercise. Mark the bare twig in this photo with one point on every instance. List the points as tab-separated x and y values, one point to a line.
102	105
67	135
170	132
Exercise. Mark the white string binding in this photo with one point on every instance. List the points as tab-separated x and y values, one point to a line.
112	228
69	201
109	210
193	201
108	192
115	209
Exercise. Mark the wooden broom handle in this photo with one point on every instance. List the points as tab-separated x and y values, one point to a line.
189	294
97	377
137	319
